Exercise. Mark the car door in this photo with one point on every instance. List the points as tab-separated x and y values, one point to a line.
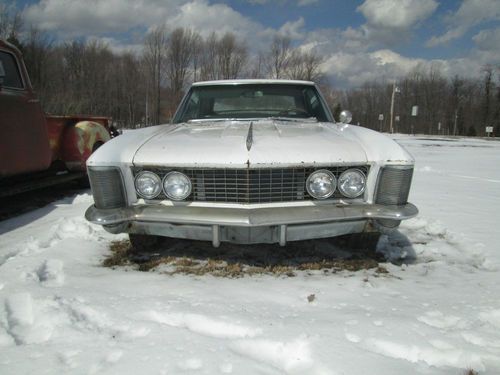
24	143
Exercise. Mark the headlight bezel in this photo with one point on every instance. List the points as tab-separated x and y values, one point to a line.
164	189
140	193
358	194
333	184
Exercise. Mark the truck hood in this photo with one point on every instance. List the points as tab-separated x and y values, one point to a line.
232	143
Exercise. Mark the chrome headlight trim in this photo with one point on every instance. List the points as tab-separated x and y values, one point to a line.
330	176
185	194
154	177
343	191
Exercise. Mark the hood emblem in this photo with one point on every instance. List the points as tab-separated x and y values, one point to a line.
250	136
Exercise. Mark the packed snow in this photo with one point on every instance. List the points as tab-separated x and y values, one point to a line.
437	310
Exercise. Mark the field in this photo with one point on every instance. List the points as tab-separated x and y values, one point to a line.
428	304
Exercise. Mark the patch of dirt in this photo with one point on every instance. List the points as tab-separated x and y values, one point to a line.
229	260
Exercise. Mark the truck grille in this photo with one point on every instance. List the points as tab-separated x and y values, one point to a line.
393	185
107	187
249	185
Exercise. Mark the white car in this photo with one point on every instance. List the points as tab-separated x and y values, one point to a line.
250	161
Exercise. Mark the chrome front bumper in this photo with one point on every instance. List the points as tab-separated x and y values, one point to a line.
246	225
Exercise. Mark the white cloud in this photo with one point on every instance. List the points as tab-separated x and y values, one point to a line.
300	3
115	19
389	22
303	3
396	14
119	46
353	69
469	14
293	29
76	17
207	18
488	40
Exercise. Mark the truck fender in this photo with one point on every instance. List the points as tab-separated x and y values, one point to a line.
79	141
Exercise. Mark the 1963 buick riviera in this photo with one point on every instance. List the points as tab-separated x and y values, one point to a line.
250	161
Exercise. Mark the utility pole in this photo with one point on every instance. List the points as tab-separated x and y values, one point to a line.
395	89
455	122
147	106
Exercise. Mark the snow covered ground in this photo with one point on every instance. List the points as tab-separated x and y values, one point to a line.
438	313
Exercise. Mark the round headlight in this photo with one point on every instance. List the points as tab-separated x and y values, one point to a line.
321	184
177	186
148	184
352	183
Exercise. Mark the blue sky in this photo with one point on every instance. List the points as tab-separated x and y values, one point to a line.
359	40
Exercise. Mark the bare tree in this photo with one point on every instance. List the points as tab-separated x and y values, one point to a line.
154	56
37	50
231	56
209	61
197	56
10	22
312	64
258	66
279	56
180	53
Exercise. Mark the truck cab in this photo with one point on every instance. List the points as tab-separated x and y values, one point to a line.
36	149
24	139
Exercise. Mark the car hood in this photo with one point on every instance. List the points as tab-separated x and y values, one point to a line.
232	143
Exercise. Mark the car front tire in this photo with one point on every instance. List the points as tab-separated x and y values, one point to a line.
144	243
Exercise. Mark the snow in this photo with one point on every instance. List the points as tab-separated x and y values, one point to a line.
437	311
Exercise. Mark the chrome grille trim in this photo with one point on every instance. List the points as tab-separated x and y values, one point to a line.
107	187
393	185
251	185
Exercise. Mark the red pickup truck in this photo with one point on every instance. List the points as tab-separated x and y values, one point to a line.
36	149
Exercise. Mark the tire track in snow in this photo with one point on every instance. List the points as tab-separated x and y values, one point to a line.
203	325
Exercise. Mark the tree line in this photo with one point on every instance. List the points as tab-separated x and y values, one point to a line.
446	106
143	88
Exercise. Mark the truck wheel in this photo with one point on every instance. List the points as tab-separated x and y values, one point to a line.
84	182
145	243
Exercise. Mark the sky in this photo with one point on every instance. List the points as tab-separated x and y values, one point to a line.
359	40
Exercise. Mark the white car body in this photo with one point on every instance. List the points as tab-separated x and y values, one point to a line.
249	144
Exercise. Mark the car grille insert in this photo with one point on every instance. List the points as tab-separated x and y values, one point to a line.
393	185
107	187
264	185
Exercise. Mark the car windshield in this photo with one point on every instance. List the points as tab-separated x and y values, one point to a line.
248	101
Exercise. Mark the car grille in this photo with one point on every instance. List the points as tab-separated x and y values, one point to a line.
107	187
264	185
393	185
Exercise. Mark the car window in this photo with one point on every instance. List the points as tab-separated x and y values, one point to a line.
252	101
315	106
12	77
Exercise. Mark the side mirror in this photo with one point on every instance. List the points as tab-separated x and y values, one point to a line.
345	117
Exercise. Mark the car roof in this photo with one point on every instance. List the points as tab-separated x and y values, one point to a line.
234	82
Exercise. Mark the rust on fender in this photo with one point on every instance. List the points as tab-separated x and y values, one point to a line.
79	141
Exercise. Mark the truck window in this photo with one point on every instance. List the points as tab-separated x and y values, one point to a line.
12	77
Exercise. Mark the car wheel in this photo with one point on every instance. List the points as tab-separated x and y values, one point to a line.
144	243
360	241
